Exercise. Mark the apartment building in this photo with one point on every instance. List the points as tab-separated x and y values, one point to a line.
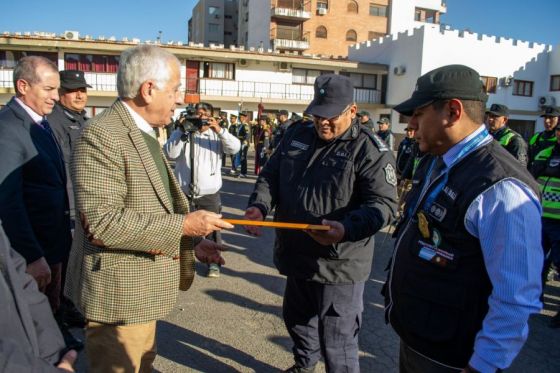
325	27
214	22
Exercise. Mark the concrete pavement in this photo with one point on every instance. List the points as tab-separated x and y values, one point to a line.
234	323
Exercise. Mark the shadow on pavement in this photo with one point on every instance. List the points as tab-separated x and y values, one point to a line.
183	347
244	302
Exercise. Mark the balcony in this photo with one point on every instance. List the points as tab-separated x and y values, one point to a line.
281	38
292	14
269	90
291	10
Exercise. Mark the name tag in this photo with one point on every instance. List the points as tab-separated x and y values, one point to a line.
299	145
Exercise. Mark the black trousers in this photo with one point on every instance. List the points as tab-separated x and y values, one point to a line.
411	361
324	319
243	152
212	203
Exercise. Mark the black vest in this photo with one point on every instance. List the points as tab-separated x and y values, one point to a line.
437	303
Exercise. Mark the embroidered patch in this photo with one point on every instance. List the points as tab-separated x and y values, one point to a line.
299	145
390	175
450	193
438	212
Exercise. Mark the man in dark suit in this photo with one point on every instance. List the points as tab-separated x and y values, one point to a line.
33	197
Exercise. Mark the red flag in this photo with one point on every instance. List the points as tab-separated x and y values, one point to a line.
260	110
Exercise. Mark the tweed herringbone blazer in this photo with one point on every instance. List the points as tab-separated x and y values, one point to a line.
122	212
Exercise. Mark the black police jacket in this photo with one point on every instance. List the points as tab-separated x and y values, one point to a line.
351	179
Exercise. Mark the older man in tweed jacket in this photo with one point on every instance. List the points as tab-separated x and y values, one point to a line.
134	219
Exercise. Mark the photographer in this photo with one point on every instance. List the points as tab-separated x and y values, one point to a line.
210	141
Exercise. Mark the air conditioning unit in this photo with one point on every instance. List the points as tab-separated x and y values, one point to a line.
71	35
547	101
506	81
243	62
399	70
283	66
322	11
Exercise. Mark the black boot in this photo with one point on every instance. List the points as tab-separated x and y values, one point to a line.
298	369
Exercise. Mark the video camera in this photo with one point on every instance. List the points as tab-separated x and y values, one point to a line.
188	121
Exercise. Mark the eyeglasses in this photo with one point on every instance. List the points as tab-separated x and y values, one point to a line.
333	119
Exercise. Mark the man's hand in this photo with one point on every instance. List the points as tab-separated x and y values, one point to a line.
333	235
253	213
41	272
201	223
214	125
208	251
68	360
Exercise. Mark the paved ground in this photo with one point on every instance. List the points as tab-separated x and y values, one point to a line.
234	324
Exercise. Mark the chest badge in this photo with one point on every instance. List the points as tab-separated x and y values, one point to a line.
299	145
423	225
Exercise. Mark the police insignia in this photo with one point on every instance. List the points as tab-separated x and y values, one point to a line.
390	175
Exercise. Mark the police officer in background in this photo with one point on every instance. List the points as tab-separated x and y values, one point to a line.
365	119
465	272
496	122
337	173
546	138
385	132
283	124
546	169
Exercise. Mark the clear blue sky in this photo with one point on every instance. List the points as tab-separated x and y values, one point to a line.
536	20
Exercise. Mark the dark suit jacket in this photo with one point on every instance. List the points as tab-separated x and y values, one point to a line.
33	197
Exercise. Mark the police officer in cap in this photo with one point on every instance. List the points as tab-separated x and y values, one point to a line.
465	272
67	120
337	173
365	119
546	138
496	122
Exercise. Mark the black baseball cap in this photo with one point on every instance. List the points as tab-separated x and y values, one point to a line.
362	113
73	79
551	111
243	114
498	110
283	112
443	83
333	94
384	121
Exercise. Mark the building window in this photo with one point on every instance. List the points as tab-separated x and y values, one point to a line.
321	32
351	35
555	82
218	70
91	63
378	10
490	83
375	35
212	27
305	76
322	4
212	10
522	88
352	7
362	80
227	16
426	15
9	59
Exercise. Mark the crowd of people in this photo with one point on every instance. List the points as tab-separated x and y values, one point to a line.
99	230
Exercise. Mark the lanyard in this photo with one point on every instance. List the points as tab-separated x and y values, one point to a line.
468	148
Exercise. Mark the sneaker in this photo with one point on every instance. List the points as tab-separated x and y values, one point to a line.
243	176
298	369
232	172
213	270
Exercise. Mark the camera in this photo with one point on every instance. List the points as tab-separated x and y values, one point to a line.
188	121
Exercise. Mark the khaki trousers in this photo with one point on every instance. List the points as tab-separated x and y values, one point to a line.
120	348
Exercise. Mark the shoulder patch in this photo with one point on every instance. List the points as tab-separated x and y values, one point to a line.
390	175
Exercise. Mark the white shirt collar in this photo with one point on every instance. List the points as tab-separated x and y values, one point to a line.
140	122
36	117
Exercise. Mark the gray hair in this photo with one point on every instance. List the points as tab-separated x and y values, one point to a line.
26	69
142	63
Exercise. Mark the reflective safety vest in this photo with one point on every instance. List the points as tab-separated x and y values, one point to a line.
506	137
550	188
